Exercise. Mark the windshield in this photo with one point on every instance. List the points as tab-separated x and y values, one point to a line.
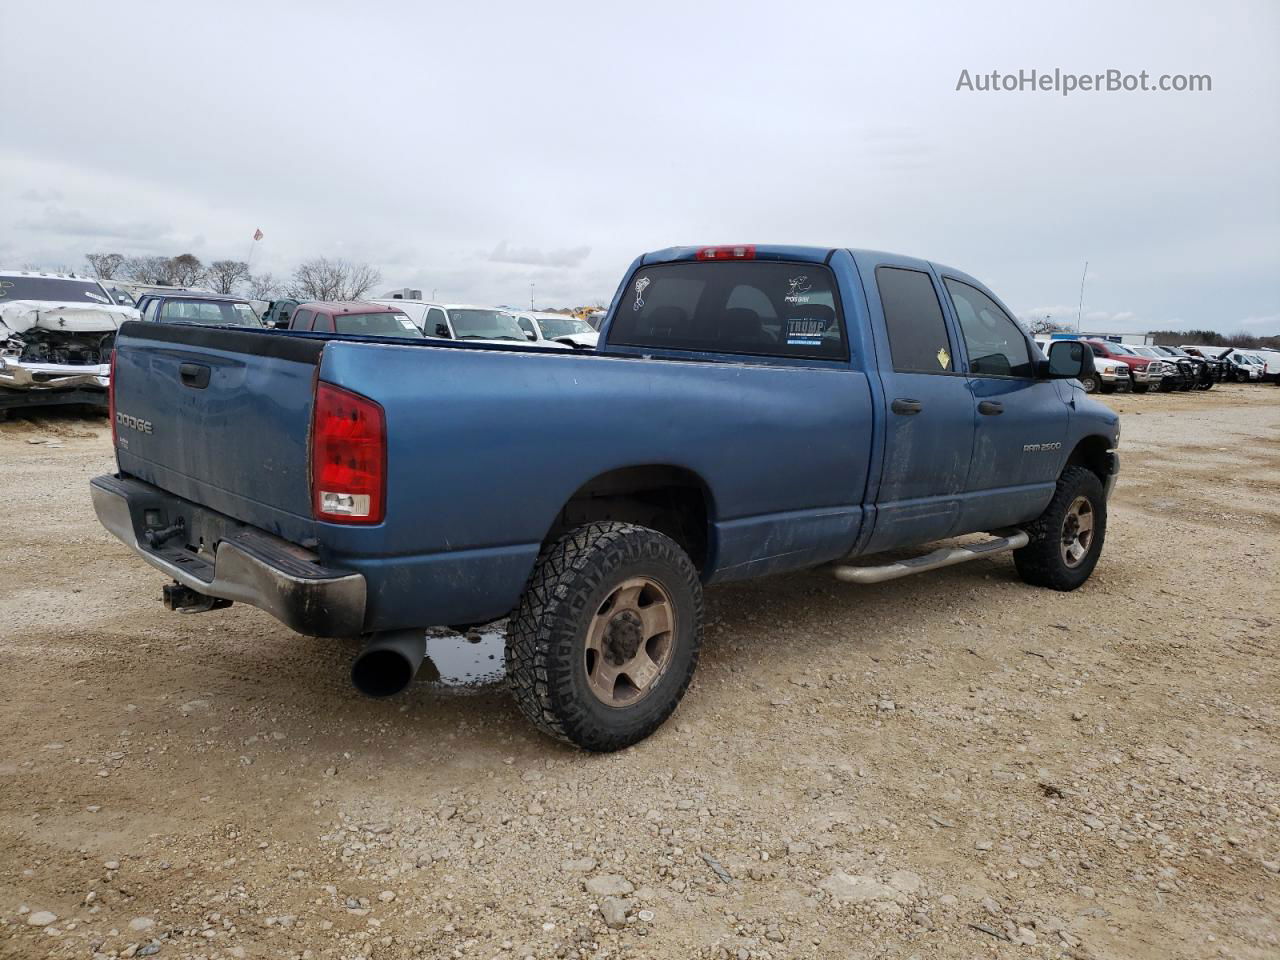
53	289
213	312
1147	351
1174	351
380	324
1120	349
474	324
567	327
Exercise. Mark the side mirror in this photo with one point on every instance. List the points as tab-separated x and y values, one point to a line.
1069	360
442	330
530	335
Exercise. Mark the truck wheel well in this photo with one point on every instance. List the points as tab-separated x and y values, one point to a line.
1091	453
671	500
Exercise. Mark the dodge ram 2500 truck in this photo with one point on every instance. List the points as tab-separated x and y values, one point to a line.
749	410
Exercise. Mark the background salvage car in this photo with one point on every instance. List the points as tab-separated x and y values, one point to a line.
56	335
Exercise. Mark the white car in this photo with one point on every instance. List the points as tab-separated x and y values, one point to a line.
56	331
1112	375
559	328
464	321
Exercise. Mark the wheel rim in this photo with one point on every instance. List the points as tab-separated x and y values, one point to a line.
1077	532
1090	385
630	641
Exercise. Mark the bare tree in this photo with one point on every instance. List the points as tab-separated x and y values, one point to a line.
263	286
1045	325
105	265
323	279
223	275
185	270
146	269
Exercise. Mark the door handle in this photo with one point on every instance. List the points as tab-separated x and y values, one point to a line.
906	407
194	375
990	408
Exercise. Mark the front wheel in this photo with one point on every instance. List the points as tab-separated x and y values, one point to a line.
1141	387
606	637
1066	540
1090	382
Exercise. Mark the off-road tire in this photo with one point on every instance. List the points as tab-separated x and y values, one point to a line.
1040	562
1090	382
1141	387
1108	388
546	637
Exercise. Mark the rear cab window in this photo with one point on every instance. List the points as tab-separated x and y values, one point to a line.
755	308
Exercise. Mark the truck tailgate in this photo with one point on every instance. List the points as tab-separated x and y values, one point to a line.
221	417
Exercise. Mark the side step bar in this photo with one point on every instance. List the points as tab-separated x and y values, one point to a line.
945	557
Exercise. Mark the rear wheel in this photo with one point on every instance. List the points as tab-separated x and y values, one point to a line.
1066	540
606	637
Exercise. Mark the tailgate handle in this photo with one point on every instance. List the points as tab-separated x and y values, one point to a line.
195	375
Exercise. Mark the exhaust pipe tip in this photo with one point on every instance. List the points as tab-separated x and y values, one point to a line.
388	663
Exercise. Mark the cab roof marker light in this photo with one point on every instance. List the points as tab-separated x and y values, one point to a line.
741	251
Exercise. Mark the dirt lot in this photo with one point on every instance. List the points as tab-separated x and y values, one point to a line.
954	765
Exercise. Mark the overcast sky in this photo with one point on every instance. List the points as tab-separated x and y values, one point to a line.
472	152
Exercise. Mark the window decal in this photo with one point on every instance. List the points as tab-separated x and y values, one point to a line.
640	287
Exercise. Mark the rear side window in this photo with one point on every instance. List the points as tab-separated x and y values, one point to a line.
995	343
754	307
918	340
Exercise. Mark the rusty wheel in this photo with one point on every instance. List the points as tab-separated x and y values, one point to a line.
629	642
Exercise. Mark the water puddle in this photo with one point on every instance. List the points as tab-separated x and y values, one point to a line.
457	663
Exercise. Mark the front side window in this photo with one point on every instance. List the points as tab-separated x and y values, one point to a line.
758	307
918	340
995	343
527	326
436	324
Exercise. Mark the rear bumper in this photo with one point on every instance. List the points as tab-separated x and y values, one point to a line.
232	561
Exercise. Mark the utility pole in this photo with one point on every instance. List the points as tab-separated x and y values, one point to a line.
1080	306
530	295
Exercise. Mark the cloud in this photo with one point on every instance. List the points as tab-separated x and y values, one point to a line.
68	222
533	257
33	195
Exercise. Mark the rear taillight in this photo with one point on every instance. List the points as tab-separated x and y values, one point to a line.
742	251
348	457
111	397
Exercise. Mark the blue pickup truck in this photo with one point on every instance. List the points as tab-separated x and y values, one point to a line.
749	410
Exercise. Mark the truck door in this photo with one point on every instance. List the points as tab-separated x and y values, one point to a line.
1021	421
929	420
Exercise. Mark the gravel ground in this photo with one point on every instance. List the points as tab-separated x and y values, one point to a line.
953	765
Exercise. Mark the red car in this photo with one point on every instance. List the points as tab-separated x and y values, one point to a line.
369	319
1145	371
